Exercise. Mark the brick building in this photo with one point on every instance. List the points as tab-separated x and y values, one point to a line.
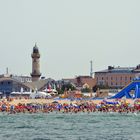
116	77
80	81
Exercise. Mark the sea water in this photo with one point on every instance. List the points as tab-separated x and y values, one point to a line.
60	126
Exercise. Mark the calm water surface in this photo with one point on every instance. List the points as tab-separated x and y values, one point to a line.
82	126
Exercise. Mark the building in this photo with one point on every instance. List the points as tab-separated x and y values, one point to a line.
35	64
116	77
22	78
80	81
10	83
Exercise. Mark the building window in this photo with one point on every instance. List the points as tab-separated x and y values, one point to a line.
107	83
9	82
1	83
102	78
125	78
111	78
34	71
120	78
34	60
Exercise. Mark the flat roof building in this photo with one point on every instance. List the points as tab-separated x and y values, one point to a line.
116	77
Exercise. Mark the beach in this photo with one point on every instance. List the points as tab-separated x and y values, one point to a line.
68	106
62	101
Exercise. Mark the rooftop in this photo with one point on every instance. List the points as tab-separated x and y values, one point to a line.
118	70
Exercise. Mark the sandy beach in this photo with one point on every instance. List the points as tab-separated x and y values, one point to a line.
43	101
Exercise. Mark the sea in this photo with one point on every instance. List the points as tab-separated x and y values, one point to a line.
61	126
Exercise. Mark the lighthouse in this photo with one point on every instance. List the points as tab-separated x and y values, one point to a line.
35	64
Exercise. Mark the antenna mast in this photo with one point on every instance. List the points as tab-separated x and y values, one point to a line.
7	72
91	68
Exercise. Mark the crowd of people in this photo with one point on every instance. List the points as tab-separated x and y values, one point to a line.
80	106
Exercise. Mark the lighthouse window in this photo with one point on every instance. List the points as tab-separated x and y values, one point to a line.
34	71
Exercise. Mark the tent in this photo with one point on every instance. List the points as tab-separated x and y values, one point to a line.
39	95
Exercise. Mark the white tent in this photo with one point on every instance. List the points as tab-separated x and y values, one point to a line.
20	93
39	94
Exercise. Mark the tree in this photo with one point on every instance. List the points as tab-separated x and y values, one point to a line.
86	90
66	87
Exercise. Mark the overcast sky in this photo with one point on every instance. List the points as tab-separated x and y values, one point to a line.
69	33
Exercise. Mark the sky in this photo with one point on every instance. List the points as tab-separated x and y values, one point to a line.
69	34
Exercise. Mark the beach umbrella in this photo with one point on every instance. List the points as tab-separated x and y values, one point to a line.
55	102
57	98
54	86
49	87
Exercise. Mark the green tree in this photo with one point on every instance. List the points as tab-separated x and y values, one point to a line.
66	87
86	90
